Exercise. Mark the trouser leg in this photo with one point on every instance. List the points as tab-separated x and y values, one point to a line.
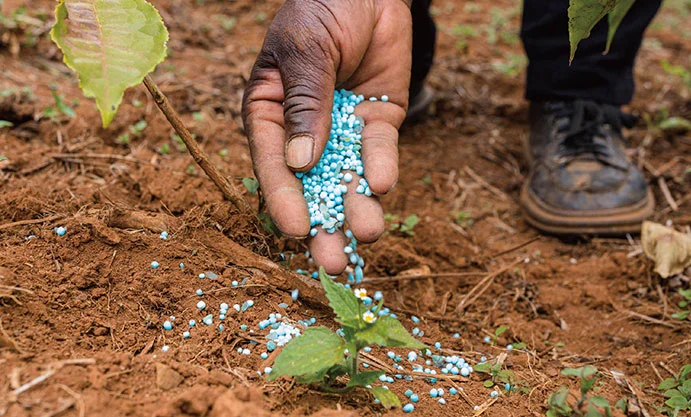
592	75
424	41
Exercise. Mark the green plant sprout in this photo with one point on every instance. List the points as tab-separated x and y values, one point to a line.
663	123
678	71
462	218
406	226
60	108
684	304
321	356
585	405
677	390
251	184
5	123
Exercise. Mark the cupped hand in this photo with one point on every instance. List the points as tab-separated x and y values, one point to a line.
313	47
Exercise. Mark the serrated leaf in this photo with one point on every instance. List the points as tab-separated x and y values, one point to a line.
341	300
387	331
599	401
583	16
387	398
251	184
316	350
111	45
614	19
362	379
678	402
668	383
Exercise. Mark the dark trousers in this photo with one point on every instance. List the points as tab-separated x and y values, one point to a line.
591	76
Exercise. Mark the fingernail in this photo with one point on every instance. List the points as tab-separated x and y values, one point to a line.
299	151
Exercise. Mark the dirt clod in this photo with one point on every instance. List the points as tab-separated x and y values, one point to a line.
166	377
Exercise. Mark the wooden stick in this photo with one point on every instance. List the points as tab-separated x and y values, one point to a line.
32	221
425	276
229	191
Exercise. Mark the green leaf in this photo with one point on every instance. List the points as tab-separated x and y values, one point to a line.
500	330
388	399
681	315
672	393
483	367
686	388
587	384
588	370
668	383
686	294
268	223
614	19
677	124
411	221
583	16
318	349
685	371
387	331
5	123
557	401
342	301
592	411
111	45
488	383
251	184
678	402
362	379
621	405
599	401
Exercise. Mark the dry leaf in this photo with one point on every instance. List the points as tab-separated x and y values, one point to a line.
670	249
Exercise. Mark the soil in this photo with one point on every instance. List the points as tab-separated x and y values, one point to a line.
84	311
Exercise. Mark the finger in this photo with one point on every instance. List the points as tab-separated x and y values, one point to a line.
327	251
364	214
309	76
263	119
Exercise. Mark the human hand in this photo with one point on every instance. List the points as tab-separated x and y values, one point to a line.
311	48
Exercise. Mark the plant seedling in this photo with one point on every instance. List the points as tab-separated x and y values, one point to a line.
685	304
406	226
586	405
677	392
251	184
53	113
462	218
321	356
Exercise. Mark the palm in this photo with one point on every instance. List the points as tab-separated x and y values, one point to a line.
362	46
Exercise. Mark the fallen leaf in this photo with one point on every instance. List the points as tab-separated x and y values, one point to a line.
671	250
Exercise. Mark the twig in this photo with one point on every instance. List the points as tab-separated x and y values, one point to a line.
34	382
657	372
32	221
668	195
489	187
77	397
229	191
650	319
482	286
425	276
517	247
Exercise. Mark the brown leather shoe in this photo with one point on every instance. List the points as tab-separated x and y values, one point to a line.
581	181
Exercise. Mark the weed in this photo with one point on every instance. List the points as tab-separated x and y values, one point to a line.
462	34
178	142
191	170
321	356
514	64
587	405
5	123
462	218
678	71
228	23
502	377
60	108
677	390
427	179
164	149
663	122
684	304
472	8
123	139
198	116
406	226
3	158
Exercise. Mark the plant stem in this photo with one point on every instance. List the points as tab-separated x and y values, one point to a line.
229	191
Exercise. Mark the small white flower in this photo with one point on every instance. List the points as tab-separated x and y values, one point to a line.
369	317
360	293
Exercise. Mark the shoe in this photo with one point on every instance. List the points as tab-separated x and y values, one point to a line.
419	103
581	181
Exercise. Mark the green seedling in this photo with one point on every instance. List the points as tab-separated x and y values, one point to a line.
5	123
322	356
677	391
685	305
164	149
3	158
502	377
228	23
563	403
463	33
406	226
178	142
251	184
134	130
191	170
664	123
462	218
60	108
678	71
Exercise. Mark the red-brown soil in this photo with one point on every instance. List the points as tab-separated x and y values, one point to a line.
86	308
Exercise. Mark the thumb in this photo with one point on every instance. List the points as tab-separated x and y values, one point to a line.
308	80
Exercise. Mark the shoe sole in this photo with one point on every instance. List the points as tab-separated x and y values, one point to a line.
615	222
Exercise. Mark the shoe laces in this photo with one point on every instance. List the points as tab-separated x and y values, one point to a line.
585	134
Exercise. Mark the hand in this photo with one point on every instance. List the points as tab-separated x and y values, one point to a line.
311	48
